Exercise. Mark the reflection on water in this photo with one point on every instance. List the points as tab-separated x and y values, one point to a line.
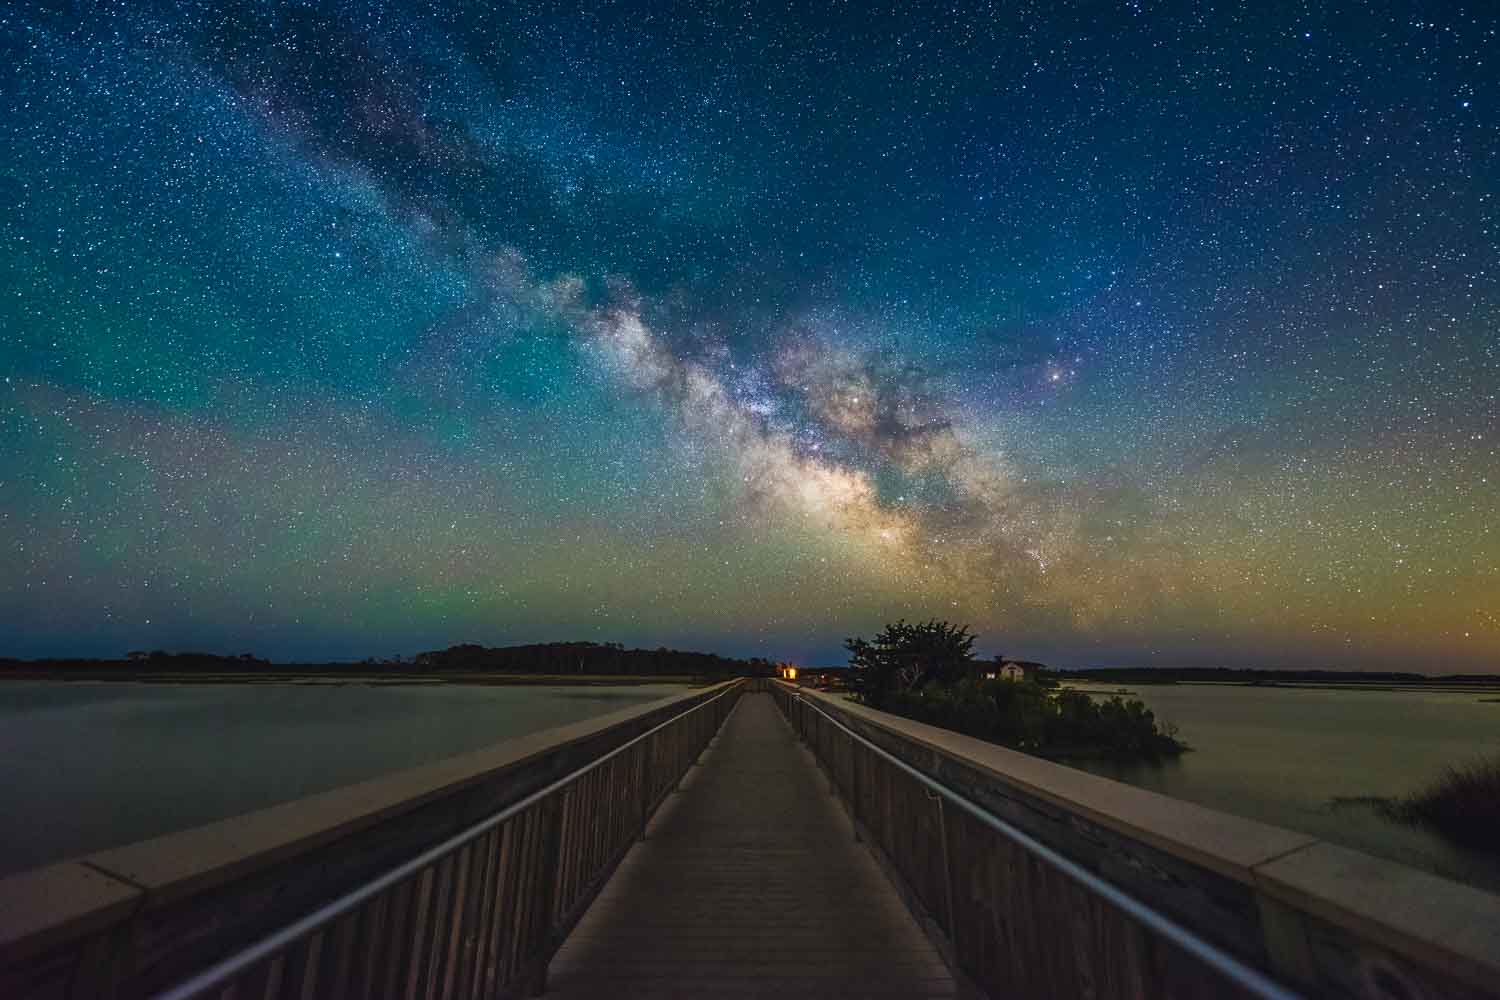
1282	755
84	766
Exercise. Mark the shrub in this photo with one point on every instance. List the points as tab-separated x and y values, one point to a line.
1026	716
926	671
1463	805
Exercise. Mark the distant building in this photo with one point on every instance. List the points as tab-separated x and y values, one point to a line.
826	678
1005	670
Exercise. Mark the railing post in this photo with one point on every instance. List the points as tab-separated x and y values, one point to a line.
854	789
701	740
679	770
947	868
831	765
545	900
645	790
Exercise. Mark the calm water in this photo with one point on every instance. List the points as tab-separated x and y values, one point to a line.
87	766
1281	754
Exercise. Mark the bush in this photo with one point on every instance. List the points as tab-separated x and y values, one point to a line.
1463	805
1027	716
927	671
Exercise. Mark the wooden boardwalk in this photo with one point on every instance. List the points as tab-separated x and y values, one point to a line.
750	884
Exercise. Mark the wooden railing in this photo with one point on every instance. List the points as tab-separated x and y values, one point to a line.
481	914
1037	880
478	914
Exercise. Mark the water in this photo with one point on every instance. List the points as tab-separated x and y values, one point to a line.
85	766
1281	755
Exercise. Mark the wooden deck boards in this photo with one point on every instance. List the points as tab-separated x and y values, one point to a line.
749	884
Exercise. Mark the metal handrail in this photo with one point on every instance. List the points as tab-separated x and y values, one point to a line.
220	973
1249	978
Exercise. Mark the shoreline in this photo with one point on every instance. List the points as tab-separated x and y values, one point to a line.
328	678
1434	688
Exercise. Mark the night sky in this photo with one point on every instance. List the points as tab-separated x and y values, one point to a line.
1148	333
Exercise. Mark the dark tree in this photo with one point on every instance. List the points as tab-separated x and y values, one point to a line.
904	657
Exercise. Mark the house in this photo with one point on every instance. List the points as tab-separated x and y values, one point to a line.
1005	670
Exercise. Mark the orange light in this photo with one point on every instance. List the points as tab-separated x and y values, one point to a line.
791	673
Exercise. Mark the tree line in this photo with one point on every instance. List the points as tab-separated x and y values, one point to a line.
610	659
551	658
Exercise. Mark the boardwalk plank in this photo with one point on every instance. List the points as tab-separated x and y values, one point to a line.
749	884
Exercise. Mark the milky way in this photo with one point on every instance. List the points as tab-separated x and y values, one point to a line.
1155	334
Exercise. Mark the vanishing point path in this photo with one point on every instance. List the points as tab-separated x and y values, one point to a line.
750	884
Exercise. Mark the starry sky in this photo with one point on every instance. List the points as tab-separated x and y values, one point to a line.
1132	333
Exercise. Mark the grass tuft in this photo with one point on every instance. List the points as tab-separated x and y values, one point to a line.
1462	805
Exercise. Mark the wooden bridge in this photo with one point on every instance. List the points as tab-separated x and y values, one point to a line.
748	839
750	883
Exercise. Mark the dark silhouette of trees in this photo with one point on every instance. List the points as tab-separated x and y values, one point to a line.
548	659
928	672
1026	716
607	659
904	657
